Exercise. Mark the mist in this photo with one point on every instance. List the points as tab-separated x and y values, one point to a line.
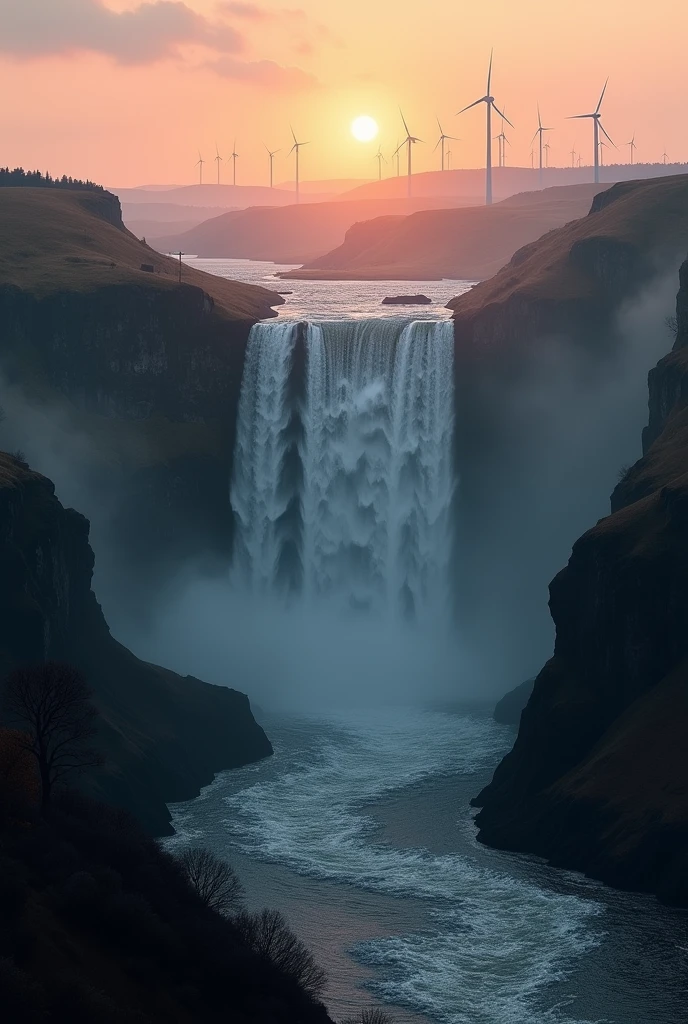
565	427
569	425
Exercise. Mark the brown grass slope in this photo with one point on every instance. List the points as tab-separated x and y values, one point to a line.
462	244
647	217
53	240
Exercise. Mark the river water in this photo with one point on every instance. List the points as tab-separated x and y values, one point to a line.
359	828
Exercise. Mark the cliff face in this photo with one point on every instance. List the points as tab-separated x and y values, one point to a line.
164	736
598	779
141	374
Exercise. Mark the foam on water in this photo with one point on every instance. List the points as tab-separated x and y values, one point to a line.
495	940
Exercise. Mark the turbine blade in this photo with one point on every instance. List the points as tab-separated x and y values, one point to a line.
535	136
437	144
408	133
489	72
439	126
293	135
597	108
539	121
576	117
606	134
503	115
482	99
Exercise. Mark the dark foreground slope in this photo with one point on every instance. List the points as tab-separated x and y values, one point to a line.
99	926
163	736
465	244
598	777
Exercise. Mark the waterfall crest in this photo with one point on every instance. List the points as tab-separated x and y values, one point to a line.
342	489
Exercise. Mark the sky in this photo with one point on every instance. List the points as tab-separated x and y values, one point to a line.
129	93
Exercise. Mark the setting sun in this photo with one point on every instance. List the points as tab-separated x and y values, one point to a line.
364	129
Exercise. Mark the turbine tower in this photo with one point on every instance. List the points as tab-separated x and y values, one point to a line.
442	139
218	161
503	143
490	104
538	135
295	149
597	128
632	148
665	157
380	161
449	159
271	155
409	141
199	163
234	157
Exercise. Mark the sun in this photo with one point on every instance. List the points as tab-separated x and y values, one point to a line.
364	128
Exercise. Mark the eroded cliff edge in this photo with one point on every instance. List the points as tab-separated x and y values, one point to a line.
163	735
598	776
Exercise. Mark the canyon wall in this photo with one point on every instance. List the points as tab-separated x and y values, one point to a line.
163	735
598	779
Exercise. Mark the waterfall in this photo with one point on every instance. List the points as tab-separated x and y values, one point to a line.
342	489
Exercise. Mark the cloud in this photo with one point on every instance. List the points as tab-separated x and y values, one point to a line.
266	73
149	32
243	10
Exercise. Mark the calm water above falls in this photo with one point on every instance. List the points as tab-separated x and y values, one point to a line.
337	300
359	827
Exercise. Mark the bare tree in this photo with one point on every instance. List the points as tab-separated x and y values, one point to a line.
370	1015
269	935
51	703
214	880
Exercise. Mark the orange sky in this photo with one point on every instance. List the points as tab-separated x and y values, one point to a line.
127	93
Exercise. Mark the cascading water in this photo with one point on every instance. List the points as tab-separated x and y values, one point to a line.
342	488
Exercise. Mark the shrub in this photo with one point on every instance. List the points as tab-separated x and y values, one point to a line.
371	1015
269	935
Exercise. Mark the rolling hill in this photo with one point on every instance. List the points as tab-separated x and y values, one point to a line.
290	234
464	244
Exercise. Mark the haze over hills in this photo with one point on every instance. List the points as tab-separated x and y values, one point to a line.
225	196
464	244
506	181
289	234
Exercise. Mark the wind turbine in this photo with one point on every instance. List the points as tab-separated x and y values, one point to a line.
234	157
546	148
199	163
449	157
397	154
380	161
665	157
409	141
441	141
597	128
573	157
295	149
271	154
632	147
218	161
489	102
503	142
603	146
538	135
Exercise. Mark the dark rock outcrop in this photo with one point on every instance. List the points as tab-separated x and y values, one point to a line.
163	736
406	300
508	710
598	777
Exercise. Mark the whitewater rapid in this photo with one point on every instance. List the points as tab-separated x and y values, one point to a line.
343	477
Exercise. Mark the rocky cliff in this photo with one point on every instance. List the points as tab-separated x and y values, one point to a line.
552	355
163	736
598	778
137	375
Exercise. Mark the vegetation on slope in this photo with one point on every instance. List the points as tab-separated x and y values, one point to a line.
630	227
54	241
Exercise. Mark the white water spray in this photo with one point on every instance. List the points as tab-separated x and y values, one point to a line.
345	492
